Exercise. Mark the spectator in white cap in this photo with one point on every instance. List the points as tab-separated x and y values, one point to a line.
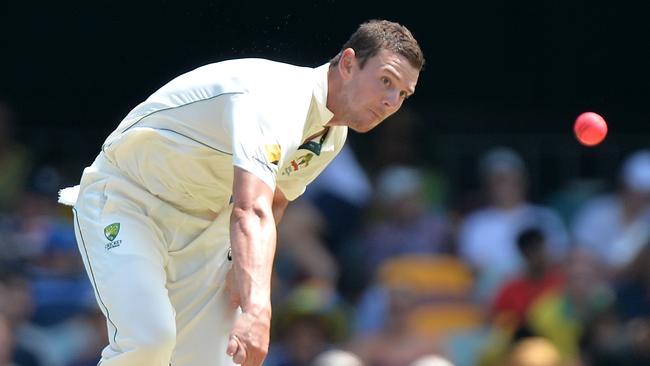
615	226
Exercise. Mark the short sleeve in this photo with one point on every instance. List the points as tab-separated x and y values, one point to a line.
253	150
305	166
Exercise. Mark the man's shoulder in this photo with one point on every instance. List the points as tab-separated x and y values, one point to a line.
255	65
256	76
262	78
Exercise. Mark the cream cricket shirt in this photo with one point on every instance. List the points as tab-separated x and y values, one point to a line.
182	142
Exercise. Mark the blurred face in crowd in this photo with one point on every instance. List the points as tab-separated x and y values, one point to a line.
370	93
506	187
405	209
536	258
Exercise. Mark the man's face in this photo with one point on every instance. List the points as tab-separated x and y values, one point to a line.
377	90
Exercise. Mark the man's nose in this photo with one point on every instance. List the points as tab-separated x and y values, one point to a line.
392	100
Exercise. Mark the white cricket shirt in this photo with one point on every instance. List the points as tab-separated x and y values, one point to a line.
182	142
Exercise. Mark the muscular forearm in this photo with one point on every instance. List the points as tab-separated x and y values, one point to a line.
252	239
252	235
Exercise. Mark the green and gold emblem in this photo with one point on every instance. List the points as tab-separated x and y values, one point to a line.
111	231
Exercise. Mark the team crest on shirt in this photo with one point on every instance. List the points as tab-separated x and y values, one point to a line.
298	163
110	232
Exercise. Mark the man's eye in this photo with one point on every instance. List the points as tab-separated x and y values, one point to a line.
403	94
385	81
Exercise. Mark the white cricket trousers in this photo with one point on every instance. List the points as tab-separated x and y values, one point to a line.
158	273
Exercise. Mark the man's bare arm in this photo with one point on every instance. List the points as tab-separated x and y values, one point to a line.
252	238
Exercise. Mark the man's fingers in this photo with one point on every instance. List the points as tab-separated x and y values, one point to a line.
240	356
236	350
233	346
250	346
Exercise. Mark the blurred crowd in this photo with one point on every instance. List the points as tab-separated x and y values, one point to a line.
380	264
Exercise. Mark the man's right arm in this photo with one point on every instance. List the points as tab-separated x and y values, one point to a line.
252	238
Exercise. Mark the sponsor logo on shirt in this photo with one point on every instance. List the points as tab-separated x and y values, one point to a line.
298	163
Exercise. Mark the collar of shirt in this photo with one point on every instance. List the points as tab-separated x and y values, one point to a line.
318	114
320	93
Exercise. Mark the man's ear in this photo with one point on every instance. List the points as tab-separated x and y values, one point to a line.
347	62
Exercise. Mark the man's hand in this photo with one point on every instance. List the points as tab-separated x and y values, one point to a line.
249	338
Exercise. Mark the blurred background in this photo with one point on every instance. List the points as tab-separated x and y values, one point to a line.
471	225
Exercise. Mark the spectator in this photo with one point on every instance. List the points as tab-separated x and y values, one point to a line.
59	285
633	288
15	310
396	344
487	236
615	226
538	277
622	336
404	223
562	314
55	345
315	229
417	305
45	241
310	321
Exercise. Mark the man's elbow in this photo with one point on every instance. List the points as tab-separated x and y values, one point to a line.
258	209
